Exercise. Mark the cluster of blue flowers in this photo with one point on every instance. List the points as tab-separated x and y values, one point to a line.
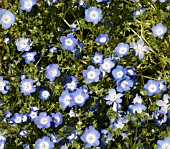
77	92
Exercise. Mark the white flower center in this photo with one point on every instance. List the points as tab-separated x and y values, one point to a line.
106	65
120	125
29	56
28	4
18	120
79	99
97	59
68	42
67	99
2	85
165	146
27	86
93	15
43	120
91	75
152	88
6	18
113	97
44	145
139	12
119	74
130	72
161	86
124	84
56	119
53	73
33	115
103	39
45	94
159	31
23	43
90	138
71	85
122	50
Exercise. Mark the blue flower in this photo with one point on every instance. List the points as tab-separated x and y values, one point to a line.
25	146
139	48
164	104
56	119
52	71
33	114
52	49
43	120
23	76
71	85
17	118
122	49
138	12
68	42
159	117
97	58
113	97
90	137
82	3
44	94
79	97
44	143
93	14
102	38
91	74
29	57
27	86
73	27
7	18
23	132
119	123
65	100
2	141
137	99
107	65
159	30
163	86
27	4
119	72
23	44
54	138
7	39
137	107
131	72
152	87
4	86
124	84
164	144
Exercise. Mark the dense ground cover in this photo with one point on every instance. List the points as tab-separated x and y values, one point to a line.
85	74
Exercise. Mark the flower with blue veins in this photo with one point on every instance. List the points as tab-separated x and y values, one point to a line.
131	72
124	84
90	137
43	120
4	86
29	57
65	100
27	4
164	103
23	44
122	49
44	94
79	97
107	65
17	118
68	42
52	72
71	85
33	113
152	87
159	117
27	86
164	144
91	74
97	58
138	12
137	108
159	30
139	48
113	97
56	119
7	18
44	143
23	132
93	14
102	39
119	72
